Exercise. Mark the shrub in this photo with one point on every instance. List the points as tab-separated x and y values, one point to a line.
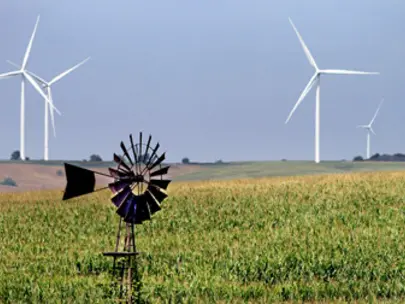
15	155
8	181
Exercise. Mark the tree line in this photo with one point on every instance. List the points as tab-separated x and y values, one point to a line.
397	157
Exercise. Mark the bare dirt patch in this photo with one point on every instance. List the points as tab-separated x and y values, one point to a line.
40	177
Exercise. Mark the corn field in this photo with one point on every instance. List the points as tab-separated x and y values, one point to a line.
329	238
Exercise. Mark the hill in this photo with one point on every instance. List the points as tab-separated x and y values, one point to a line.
38	175
43	176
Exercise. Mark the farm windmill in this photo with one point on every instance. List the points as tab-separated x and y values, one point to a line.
138	190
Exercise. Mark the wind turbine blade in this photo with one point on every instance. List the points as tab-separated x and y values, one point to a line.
37	78
14	64
362	126
36	87
376	112
310	84
51	110
371	129
304	46
9	74
348	72
27	52
61	75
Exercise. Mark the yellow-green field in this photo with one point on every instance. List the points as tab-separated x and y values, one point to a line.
314	238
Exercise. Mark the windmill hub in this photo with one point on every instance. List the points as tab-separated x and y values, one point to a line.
137	179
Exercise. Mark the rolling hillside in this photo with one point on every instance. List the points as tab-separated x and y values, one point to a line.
44	175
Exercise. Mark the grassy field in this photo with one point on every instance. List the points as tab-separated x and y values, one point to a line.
238	170
316	238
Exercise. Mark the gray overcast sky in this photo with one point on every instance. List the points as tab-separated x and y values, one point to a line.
208	79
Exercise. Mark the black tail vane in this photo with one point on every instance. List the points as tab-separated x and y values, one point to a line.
138	187
80	181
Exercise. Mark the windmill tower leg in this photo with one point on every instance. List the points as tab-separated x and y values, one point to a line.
22	121
317	119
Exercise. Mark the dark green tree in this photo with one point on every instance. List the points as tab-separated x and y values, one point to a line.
358	158
95	158
15	155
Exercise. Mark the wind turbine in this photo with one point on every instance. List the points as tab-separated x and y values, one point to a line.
369	128
25	76
47	86
316	79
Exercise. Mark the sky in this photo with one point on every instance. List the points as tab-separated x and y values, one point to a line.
208	79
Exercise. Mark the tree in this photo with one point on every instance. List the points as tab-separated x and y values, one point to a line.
15	155
8	181
185	160
358	158
95	158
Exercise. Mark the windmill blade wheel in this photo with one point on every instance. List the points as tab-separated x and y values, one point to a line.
139	186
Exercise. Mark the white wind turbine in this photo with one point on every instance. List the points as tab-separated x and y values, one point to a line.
47	86
369	128
316	79
25	76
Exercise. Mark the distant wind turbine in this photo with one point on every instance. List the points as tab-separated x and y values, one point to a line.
369	128
47	86
25	76
316	79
